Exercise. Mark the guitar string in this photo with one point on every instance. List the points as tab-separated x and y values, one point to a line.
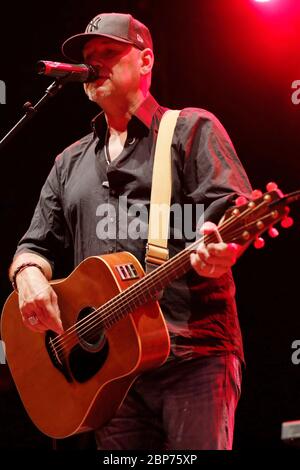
94	315
99	320
147	280
136	286
174	259
102	317
74	342
130	293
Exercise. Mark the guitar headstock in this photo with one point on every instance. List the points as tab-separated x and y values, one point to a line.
246	221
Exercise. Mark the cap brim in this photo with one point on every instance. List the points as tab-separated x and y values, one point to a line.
72	48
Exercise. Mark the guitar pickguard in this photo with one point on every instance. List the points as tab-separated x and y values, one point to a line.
85	358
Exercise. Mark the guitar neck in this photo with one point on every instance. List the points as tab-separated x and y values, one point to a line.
242	224
148	288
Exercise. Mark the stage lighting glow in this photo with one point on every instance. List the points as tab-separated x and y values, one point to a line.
262	1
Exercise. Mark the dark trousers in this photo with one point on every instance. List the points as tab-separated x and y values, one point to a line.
182	405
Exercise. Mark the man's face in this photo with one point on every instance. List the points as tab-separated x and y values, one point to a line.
119	69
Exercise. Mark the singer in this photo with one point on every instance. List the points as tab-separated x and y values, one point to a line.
190	401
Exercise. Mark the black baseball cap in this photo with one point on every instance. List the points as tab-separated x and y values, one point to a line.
118	26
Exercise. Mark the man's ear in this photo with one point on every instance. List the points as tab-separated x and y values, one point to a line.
147	61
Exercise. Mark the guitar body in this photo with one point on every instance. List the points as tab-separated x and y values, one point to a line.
76	381
82	388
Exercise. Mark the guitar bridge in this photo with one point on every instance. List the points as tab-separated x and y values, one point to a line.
127	271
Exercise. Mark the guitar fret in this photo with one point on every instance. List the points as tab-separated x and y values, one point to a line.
147	288
241	224
135	296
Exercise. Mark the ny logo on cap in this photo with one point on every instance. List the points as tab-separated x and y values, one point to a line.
93	25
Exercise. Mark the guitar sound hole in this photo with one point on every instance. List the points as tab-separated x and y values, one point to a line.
87	357
91	336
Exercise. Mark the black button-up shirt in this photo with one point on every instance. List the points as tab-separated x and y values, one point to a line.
89	206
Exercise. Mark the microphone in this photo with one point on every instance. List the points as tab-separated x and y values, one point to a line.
75	72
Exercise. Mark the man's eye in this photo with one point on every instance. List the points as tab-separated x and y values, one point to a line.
106	53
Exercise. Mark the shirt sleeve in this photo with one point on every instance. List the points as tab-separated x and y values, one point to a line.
48	234
213	174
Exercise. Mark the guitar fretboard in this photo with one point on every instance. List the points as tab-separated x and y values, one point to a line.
146	289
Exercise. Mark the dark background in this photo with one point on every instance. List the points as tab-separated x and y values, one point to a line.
236	58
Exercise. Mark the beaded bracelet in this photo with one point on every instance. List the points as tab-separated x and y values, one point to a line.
20	268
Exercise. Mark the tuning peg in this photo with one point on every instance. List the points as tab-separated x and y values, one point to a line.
274	187
287	222
256	194
271	187
259	243
240	201
273	232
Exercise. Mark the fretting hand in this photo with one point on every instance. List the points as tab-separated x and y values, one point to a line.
214	259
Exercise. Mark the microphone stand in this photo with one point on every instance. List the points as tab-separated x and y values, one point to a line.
31	111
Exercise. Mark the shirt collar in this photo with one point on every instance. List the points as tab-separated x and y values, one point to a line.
147	110
144	114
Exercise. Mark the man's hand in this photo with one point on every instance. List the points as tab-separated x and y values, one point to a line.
38	301
215	259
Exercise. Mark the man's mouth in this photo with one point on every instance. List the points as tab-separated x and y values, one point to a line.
102	78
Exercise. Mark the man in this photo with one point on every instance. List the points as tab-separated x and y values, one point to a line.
190	401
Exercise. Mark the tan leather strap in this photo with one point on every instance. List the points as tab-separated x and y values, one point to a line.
157	248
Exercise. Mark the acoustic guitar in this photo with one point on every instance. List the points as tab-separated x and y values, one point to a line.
113	326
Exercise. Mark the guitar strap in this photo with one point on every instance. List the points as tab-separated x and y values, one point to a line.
157	247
